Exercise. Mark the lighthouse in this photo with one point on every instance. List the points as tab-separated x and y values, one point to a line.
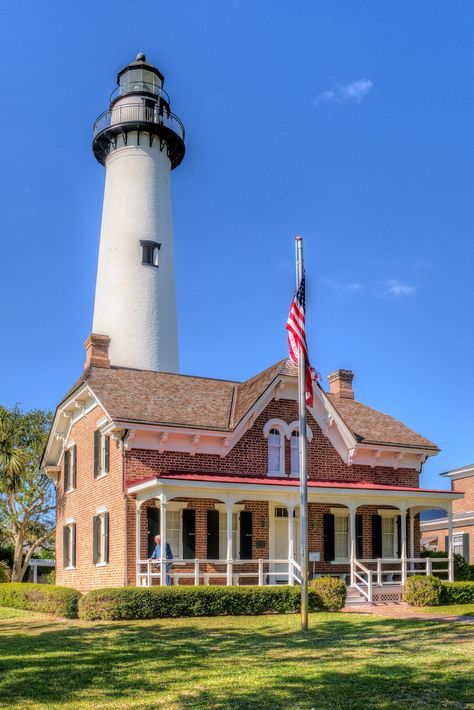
139	141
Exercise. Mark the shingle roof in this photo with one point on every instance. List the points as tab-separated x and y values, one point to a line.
373	427
142	396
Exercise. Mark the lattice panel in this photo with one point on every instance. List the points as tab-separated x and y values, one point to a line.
388	597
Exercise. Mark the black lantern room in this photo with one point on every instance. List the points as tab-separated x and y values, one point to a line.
139	104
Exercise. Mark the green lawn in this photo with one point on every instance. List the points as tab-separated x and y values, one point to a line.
346	661
451	610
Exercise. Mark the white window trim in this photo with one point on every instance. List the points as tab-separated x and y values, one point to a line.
390	513
341	513
101	551
280	427
69	522
101	509
69	447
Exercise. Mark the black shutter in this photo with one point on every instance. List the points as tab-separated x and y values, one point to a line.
359	538
399	535
65	545
153	528
245	535
446	544
73	544
106	537
106	454
328	531
67	467
95	539
74	466
189	534
96	453
465	547
376	536
212	535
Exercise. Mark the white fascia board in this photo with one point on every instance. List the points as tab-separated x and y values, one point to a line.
466	472
459	521
76	406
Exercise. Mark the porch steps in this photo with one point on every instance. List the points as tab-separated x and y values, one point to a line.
354	597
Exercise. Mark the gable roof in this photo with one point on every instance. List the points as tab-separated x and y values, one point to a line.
370	426
160	398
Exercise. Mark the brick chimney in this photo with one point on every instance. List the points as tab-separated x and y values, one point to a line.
97	351
340	383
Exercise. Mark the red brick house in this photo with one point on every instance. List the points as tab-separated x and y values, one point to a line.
212	466
435	532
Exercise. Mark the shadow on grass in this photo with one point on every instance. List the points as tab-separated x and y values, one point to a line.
377	663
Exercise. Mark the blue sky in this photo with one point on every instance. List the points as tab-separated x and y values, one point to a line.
348	122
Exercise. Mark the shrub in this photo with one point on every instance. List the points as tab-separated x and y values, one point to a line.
51	577
422	590
457	593
471	572
61	601
161	602
330	593
4	571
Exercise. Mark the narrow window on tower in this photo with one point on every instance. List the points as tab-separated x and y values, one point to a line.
150	253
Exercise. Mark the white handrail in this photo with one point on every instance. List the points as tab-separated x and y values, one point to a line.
366	590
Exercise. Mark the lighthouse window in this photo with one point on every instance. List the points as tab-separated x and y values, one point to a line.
150	253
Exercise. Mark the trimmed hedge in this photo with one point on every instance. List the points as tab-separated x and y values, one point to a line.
330	593
422	590
457	593
61	601
213	600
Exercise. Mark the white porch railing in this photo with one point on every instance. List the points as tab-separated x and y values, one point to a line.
202	571
393	570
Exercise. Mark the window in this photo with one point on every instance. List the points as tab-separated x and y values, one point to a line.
101	453
388	536
458	546
295	452
69	546
100	524
150	253
223	535
70	469
173	532
341	537
283	513
276	458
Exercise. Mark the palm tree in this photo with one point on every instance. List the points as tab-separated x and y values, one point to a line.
13	460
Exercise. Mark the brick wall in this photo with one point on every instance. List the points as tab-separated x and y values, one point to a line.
250	456
81	505
466	486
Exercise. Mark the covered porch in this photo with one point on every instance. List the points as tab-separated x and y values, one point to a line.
245	530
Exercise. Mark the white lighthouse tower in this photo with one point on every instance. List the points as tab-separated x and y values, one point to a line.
139	141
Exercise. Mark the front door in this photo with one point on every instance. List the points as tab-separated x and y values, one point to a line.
280	544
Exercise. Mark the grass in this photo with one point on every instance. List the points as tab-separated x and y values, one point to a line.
449	610
346	661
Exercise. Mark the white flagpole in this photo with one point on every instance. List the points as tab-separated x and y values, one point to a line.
302	457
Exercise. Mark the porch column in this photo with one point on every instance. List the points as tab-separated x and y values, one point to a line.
450	544
291	543
138	515
229	510
403	552
352	541
412	538
163	507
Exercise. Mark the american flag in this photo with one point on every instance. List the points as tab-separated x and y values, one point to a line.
295	326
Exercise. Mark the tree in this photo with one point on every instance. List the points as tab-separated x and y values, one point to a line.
13	460
26	493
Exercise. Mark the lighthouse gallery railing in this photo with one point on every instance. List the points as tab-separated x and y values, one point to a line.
138	114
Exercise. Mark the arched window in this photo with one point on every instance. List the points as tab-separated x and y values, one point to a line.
295	452
276	452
